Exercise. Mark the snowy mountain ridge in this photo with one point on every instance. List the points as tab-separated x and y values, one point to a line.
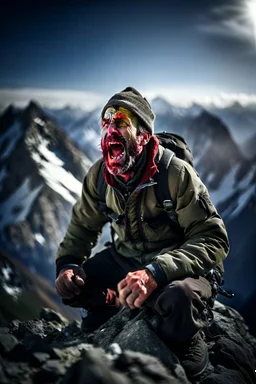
41	174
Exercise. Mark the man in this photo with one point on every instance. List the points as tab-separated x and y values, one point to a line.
152	261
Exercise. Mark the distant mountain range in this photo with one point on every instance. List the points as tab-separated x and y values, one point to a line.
45	153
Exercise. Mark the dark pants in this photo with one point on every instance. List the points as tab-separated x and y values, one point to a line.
180	304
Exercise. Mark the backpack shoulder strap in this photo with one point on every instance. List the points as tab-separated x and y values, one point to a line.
101	184
162	188
161	177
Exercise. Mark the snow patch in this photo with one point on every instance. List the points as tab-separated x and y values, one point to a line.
197	159
12	291
11	137
243	200
246	181
226	187
39	238
17	207
56	177
39	121
6	272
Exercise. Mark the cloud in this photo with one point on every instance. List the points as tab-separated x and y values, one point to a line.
231	21
187	97
87	101
50	98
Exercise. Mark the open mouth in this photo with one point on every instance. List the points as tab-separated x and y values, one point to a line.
116	150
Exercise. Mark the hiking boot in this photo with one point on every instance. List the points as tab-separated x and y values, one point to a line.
94	318
193	356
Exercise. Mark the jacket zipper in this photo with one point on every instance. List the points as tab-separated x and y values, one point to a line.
139	217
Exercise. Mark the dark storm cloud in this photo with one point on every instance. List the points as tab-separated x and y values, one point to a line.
230	20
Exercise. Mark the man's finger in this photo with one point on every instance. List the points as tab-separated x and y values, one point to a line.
130	299
70	285
140	299
121	285
62	290
123	294
79	280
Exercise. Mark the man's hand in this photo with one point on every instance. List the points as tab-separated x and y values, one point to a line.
136	288
68	282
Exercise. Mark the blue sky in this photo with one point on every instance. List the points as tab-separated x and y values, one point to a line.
103	46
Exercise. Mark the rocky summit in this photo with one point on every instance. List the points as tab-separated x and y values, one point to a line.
124	350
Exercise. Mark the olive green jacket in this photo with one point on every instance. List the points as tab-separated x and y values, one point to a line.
198	244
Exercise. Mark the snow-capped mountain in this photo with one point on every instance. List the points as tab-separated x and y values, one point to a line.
172	119
41	173
82	127
240	119
213	148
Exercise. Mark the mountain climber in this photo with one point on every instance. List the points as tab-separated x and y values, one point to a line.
152	261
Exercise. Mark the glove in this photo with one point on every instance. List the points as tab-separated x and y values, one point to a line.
136	288
69	281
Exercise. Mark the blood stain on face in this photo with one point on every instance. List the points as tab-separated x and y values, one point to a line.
120	143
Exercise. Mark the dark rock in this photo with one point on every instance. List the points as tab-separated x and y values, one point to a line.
14	370
137	337
49	372
7	343
38	358
228	322
224	375
34	327
19	353
124	350
237	357
143	368
51	315
3	378
4	330
93	368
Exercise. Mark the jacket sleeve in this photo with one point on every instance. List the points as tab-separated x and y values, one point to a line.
206	242
85	225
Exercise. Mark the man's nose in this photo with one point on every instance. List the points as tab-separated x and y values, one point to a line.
112	129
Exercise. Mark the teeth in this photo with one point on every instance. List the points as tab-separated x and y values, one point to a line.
117	157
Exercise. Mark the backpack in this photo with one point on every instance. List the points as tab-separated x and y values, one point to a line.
173	145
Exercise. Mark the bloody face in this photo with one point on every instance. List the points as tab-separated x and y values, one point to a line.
121	143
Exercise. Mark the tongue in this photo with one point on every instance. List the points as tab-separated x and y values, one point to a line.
116	150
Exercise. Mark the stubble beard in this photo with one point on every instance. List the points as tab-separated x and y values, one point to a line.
131	153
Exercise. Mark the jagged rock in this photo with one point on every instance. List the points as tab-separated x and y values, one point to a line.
38	358
125	350
51	315
7	343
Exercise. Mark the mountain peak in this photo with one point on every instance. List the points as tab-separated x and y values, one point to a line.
33	110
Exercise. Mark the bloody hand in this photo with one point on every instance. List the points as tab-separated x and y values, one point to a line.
68	282
136	288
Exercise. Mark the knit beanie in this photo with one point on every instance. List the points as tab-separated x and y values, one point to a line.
132	100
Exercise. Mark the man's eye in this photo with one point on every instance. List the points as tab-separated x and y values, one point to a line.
120	123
